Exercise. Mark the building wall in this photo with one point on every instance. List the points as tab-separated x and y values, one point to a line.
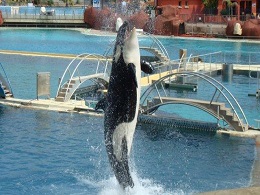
196	6
185	6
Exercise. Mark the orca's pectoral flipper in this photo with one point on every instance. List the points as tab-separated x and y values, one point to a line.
102	104
147	67
132	71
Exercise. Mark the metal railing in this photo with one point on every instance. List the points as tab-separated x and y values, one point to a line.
246	58
156	43
72	69
193	63
39	16
209	18
153	89
55	13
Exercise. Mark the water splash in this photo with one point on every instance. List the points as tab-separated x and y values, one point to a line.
110	186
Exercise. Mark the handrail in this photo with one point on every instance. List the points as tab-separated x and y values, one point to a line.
72	75
67	69
248	58
83	57
223	87
189	57
159	44
177	61
181	59
76	69
8	81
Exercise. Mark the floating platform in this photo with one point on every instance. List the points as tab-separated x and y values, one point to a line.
184	86
77	106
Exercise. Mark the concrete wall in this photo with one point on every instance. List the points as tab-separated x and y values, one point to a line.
206	29
193	6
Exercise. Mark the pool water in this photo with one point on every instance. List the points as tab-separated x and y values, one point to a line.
52	41
60	153
79	41
57	153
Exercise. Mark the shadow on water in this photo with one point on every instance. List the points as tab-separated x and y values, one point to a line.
1	110
157	132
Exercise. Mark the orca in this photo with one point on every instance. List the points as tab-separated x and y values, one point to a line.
121	104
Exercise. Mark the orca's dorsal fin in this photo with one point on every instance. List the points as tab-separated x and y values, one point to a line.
132	71
147	67
102	104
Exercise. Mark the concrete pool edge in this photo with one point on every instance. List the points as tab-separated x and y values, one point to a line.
239	191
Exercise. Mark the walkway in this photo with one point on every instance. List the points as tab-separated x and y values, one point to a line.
228	109
72	106
218	109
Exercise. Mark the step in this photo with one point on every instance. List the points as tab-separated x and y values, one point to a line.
67	85
72	81
61	94
226	111
59	99
7	92
235	123
65	90
230	118
237	126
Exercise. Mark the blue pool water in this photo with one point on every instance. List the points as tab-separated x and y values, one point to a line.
58	153
76	42
46	152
